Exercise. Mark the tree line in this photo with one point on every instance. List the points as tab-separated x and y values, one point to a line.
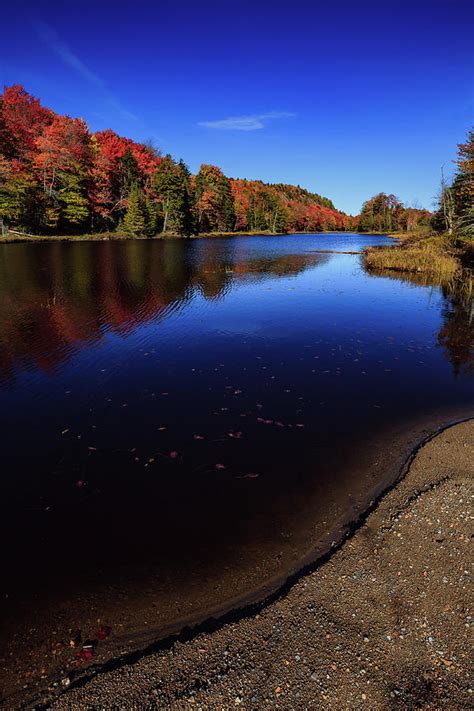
455	204
58	177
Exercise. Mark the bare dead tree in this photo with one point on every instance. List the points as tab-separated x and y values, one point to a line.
447	203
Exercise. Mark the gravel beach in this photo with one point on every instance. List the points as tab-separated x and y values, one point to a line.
383	624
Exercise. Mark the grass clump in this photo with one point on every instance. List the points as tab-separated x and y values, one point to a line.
435	257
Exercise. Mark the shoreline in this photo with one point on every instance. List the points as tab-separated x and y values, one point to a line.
440	258
19	238
304	647
132	647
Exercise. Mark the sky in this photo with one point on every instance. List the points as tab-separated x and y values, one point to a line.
344	98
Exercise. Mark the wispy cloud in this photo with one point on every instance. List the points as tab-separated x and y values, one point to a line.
253	122
56	45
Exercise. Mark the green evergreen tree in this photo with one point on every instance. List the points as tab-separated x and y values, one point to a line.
463	188
186	226
73	198
134	220
129	173
152	217
172	185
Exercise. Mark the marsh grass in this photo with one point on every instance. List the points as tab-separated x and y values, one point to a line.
434	257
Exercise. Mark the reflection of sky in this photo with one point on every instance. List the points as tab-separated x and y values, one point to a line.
331	347
334	295
335	301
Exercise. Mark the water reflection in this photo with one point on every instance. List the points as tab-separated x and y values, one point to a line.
57	298
184	421
54	298
456	335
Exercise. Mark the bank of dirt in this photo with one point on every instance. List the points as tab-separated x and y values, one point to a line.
383	624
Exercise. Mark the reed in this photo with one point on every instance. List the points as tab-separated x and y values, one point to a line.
435	257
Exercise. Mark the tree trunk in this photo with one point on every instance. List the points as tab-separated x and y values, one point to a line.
165	215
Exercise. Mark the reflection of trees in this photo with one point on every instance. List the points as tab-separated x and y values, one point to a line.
57	297
457	332
456	335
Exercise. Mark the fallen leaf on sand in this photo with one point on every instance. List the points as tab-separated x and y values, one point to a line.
103	632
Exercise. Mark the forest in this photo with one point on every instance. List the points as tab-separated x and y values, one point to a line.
59	178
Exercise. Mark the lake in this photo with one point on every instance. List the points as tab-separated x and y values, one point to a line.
186	422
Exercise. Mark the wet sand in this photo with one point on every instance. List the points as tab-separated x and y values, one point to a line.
383	623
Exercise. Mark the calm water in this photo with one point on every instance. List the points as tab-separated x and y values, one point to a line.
174	404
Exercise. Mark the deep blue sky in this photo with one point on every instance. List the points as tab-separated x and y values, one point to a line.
352	97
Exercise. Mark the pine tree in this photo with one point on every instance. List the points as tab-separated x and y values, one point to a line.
128	171
134	220
75	206
171	183
152	217
463	187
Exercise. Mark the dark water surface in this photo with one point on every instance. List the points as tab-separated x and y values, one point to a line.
190	418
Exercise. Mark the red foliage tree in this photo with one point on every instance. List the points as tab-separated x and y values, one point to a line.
22	120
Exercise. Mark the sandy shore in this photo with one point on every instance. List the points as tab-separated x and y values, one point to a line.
384	623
